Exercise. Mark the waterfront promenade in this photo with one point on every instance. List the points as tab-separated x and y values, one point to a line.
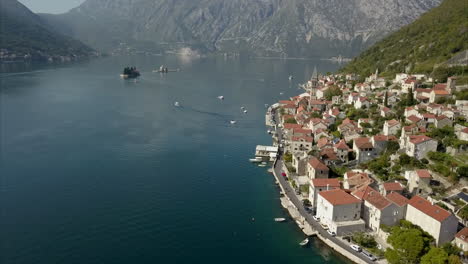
337	244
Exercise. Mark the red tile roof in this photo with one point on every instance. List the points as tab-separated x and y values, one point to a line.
291	126
363	142
339	197
397	199
342	145
317	164
463	234
384	138
441	92
372	196
324	182
303	138
440	86
413	118
423	173
426	207
392	186
419	139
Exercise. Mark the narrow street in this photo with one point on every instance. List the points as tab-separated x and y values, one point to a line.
291	194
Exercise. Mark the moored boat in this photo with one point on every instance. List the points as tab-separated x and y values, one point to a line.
280	219
304	242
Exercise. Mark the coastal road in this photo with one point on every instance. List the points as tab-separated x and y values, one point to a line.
291	194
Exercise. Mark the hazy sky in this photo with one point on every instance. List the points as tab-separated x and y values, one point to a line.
51	6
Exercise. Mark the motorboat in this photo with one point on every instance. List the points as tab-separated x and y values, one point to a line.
280	219
256	159
176	104
304	242
281	93
242	108
233	122
290	77
245	111
262	165
221	97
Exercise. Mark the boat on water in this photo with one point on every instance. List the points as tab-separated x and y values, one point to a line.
256	159
221	97
242	108
262	165
163	69
233	122
290	77
280	219
130	73
245	111
304	242
176	104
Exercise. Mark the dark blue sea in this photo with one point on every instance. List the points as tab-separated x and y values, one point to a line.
96	169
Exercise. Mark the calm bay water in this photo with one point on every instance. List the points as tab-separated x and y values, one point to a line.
95	169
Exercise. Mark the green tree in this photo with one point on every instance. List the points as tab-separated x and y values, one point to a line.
408	246
435	256
291	120
452	259
386	99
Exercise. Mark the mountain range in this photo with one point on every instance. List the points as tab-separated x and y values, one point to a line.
279	28
26	36
436	40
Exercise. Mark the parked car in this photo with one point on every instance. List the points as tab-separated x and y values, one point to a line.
283	174
356	247
316	218
331	232
324	226
368	255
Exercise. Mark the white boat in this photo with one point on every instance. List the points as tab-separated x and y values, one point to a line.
269	131
262	165
176	104
242	108
245	111
256	159
266	105
290	77
304	242
280	219
233	122
281	93
221	97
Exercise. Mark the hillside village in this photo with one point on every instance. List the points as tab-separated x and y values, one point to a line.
381	159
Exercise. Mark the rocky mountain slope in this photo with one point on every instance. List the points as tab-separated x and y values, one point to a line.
288	28
25	36
438	39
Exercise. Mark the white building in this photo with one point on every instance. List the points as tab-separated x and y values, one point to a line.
317	169
376	209
418	181
438	222
318	185
461	239
340	211
418	146
391	127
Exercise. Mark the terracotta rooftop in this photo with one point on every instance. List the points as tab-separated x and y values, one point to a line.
342	145
372	196
392	186
302	131
419	139
384	138
413	118
303	138
363	142
317	164
440	86
392	122
426	207
339	197
397	199
291	126
324	182
423	173
463	234
286	102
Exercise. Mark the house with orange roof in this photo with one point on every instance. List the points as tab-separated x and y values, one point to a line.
409	84
442	121
391	127
376	209
300	143
419	181
380	142
400	201
461	239
388	187
340	211
318	185
355	179
362	102
317	169
364	149
436	94
418	146
342	150
438	222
